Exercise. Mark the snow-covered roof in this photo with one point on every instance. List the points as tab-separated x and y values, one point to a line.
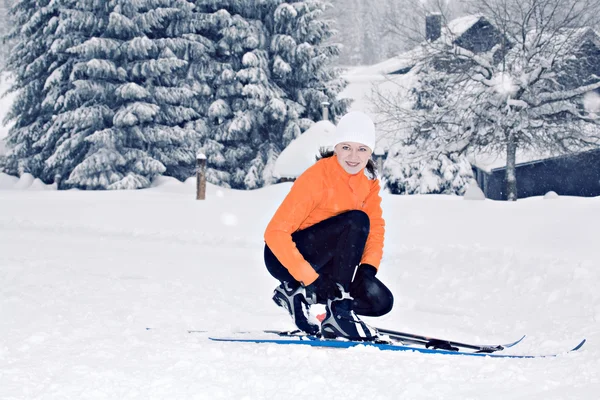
562	43
400	62
490	162
458	26
408	59
301	152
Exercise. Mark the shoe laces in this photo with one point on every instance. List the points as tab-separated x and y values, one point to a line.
343	306
350	316
344	294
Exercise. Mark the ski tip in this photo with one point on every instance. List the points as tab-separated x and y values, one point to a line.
516	342
579	345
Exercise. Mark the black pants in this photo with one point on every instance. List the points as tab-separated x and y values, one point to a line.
335	246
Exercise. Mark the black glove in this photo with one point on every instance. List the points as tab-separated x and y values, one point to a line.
364	271
325	288
364	287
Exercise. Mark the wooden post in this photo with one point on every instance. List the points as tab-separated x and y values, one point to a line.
325	110
201	177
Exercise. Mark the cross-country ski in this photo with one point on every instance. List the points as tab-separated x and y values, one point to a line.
273	337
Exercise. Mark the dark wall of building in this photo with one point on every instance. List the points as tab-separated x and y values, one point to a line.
575	175
481	37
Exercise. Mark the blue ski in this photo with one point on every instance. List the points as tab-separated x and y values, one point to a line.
429	342
273	338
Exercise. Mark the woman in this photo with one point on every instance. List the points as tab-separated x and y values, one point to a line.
328	225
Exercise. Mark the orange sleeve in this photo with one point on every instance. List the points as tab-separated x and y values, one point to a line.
374	247
295	208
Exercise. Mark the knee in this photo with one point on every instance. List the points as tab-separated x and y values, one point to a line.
385	305
372	297
381	305
358	220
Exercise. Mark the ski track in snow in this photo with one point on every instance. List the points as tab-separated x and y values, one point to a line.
82	280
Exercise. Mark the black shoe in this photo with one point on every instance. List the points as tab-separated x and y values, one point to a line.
341	321
296	303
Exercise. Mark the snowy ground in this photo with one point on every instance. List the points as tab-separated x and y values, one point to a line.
83	274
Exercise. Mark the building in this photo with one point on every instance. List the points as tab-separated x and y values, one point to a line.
568	175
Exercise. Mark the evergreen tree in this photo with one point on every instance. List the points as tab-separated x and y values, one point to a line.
124	97
241	91
126	91
302	54
4	30
31	63
146	100
272	71
406	172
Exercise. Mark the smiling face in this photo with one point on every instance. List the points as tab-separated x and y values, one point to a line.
352	156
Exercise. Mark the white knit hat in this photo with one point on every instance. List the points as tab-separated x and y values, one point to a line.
355	127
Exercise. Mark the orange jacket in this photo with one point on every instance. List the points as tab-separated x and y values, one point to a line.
323	191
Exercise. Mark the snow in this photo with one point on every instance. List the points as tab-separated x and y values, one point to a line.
489	162
25	182
402	61
459	26
504	85
85	273
591	102
473	192
301	152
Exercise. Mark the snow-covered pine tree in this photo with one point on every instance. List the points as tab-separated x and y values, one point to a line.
5	24
241	90
177	85
271	74
411	169
30	63
407	172
302	52
124	115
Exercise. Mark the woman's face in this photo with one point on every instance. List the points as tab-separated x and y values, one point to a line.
352	156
